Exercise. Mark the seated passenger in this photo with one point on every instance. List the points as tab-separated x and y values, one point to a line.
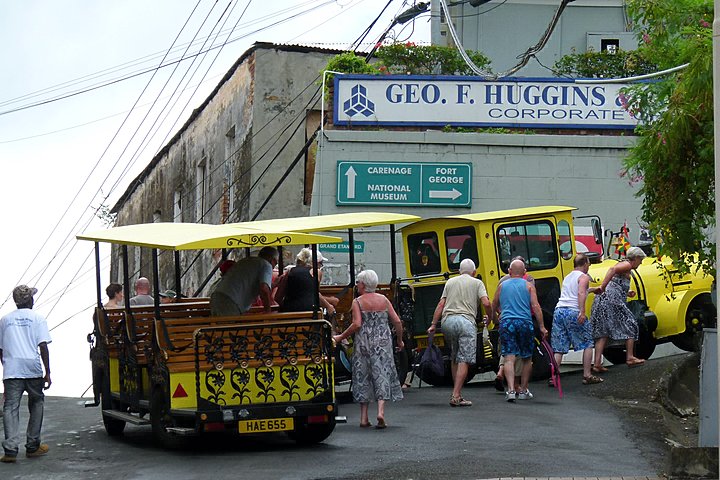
426	260
469	250
168	296
116	297
296	288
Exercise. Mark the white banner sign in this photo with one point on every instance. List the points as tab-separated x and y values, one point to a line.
468	101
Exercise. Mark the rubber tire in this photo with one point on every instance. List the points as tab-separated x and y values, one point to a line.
644	348
700	308
113	426
305	434
159	410
615	355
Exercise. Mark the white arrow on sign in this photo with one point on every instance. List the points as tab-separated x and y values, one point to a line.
452	194
351	174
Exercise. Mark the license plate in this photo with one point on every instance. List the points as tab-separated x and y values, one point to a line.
422	342
266	425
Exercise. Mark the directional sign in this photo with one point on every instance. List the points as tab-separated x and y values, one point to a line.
404	183
342	247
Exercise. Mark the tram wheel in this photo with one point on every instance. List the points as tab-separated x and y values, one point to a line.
700	314
113	426
160	419
310	434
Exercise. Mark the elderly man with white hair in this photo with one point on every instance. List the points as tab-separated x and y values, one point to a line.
516	300
458	308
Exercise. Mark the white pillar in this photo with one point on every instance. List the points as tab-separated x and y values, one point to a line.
716	116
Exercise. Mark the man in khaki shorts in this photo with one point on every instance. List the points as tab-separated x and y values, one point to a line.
458	307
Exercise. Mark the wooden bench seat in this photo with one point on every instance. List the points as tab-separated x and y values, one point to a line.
345	295
176	337
140	327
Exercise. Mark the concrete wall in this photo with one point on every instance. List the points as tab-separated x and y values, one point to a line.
507	31
509	171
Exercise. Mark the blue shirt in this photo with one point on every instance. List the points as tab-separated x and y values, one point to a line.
515	300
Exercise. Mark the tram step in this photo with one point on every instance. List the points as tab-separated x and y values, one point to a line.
181	431
126	417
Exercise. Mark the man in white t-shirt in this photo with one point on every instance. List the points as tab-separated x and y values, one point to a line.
24	337
458	307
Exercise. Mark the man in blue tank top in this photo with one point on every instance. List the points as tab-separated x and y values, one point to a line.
516	301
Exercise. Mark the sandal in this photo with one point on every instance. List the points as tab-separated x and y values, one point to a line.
600	369
366	425
460	402
635	362
591	380
380	423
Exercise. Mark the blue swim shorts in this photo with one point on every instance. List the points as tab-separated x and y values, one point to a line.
567	332
517	337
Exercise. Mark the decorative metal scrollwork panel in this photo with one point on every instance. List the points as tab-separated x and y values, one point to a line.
246	365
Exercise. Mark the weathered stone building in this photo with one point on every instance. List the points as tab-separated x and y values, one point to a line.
231	153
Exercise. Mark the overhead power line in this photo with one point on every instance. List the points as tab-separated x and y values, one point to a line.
524	57
155	69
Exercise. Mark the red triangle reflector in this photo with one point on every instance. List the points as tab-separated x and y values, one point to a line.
179	392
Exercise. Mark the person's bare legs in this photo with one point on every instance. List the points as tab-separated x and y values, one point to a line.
587	362
599	348
460	372
364	413
558	358
630	352
381	411
525	376
509	369
501	369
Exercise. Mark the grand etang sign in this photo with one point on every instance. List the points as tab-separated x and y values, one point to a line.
469	101
404	183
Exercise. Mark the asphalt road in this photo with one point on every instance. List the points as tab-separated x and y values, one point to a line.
579	435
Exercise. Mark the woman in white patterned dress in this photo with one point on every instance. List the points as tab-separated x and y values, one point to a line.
373	366
611	317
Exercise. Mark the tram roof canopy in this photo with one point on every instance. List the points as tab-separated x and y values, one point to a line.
324	223
516	212
493	215
199	236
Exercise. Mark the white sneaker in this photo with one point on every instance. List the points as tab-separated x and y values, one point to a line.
526	395
510	396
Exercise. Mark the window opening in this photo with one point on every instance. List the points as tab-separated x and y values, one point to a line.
534	241
460	243
564	240
424	256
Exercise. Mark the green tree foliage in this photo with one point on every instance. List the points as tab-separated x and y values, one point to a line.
674	155
411	59
603	65
347	62
406	59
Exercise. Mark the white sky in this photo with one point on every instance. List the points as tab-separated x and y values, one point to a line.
47	152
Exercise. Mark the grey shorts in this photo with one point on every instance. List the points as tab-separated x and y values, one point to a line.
461	335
